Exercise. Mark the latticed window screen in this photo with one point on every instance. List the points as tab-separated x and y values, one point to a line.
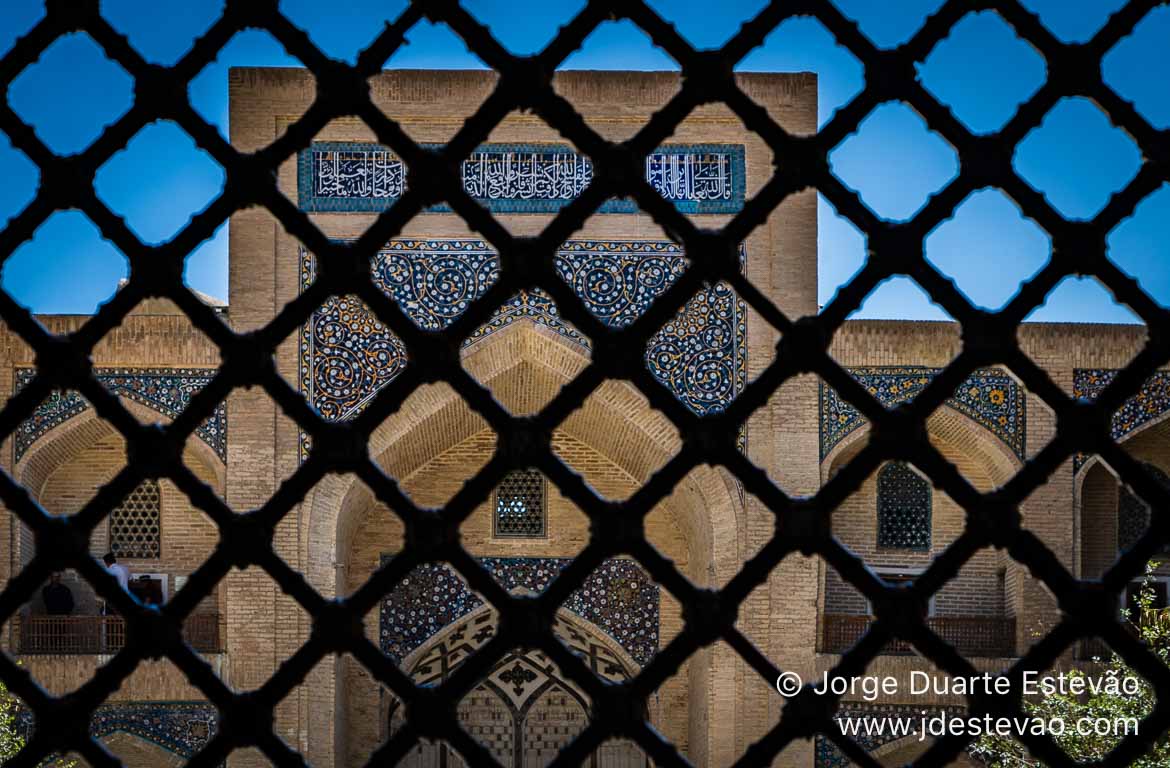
711	615
520	508
903	508
1133	514
135	524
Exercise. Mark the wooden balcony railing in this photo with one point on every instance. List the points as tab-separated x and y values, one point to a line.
969	635
103	634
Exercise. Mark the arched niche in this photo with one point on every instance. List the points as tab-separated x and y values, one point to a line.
1095	492
85	452
524	709
985	461
524	366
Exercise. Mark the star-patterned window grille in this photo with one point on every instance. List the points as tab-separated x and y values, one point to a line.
520	505
903	509
136	523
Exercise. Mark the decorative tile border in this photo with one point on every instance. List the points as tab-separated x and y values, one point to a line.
347	355
362	177
165	390
828	756
619	598
1151	402
180	727
989	397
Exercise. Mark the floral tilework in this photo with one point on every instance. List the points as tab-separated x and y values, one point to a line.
347	355
165	390
180	727
989	397
618	597
1151	401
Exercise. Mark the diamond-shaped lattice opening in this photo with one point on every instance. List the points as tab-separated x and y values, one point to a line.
700	355
68	243
889	29
526	352
1076	158
19	19
208	91
888	141
187	178
1073	22
1125	66
1074	298
841	252
1136	247
706	30
619	280
205	270
804	45
342	40
988	248
23	178
526	27
347	353
983	91
638	50
773	429
73	71
616	440
165	42
432	445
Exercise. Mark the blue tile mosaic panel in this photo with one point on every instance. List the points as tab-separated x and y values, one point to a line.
347	355
1149	404
828	756
180	727
359	177
619	598
165	390
989	397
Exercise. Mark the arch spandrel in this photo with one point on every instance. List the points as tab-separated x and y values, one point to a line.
989	397
62	443
946	428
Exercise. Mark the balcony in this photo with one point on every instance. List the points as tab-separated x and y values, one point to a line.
986	636
103	634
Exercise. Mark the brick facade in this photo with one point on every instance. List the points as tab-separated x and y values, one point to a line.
716	706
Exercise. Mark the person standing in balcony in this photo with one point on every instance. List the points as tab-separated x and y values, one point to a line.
58	597
118	571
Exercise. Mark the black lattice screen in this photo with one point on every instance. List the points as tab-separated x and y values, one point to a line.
803	525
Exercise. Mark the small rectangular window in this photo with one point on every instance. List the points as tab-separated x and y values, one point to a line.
519	505
135	524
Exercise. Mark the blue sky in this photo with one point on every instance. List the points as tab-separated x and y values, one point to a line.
1076	158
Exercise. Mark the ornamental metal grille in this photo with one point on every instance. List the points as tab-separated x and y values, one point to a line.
520	505
804	525
136	523
1133	514
903	508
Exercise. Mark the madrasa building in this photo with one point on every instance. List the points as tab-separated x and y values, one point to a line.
802	617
